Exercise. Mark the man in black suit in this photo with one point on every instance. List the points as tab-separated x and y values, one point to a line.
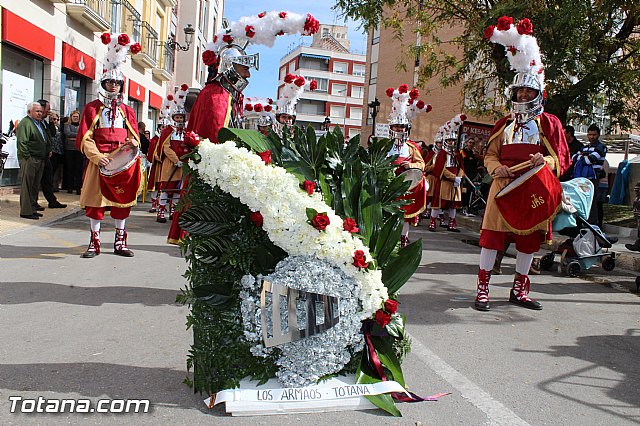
32	152
46	183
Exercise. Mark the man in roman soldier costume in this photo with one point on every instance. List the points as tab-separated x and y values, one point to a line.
108	126
263	108
448	174
154	145
289	95
530	137
220	102
405	106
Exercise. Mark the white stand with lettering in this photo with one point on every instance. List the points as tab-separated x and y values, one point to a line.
337	394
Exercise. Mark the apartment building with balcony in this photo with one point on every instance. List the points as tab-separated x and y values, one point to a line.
340	73
52	50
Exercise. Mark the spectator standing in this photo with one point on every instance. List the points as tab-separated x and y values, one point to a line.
470	163
574	146
46	182
57	148
144	137
636	212
589	164
602	191
73	158
32	151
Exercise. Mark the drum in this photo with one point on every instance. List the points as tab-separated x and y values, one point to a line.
530	200
413	176
120	178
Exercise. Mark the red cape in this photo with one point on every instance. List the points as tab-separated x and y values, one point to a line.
153	144
90	115
166	134
211	112
552	133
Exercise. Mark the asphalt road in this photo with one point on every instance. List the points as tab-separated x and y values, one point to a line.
109	328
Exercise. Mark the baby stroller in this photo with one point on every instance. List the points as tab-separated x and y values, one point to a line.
587	244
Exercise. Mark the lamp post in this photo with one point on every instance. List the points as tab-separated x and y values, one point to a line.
326	123
172	44
374	106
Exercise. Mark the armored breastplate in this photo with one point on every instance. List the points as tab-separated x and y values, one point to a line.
106	119
528	133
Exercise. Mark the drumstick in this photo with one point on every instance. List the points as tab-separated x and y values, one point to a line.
517	167
114	152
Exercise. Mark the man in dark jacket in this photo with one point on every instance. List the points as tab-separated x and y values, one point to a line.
574	146
32	152
46	182
589	163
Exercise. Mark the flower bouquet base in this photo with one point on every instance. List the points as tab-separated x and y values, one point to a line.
336	394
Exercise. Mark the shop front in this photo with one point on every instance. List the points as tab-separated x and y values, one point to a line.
137	96
78	71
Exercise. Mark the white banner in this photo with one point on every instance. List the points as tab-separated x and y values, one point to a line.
311	393
382	130
70	101
17	93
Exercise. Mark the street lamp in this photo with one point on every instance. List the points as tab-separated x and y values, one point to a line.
374	105
172	44
325	124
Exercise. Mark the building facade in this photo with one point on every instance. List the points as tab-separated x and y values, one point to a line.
52	50
340	74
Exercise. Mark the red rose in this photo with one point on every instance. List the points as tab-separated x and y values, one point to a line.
248	107
390	91
215	38
262	14
184	87
429	108
320	221
257	107
270	101
513	50
282	15
266	156
358	259
249	31
106	38
311	25
299	81
350	225
404	88
410	101
414	94
289	78
227	38
309	186
280	33
191	139
391	306
420	104
123	39
488	32
382	318
313	85
463	117
268	108
135	48
256	218
524	27
209	57
504	22
169	98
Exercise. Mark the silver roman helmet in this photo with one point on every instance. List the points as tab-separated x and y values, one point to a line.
234	54
525	111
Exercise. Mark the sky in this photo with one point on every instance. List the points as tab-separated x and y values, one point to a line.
264	83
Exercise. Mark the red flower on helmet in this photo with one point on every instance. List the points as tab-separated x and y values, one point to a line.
410	101
524	27
390	91
256	218
266	156
414	94
311	25
429	108
169	98
248	107
135	48
209	57
249	31
270	101
299	81
123	40
289	78
282	15
262	14
184	87
268	108
106	38
488	32
420	104
280	33
463	117
513	50
215	38
227	38
257	108
504	22
313	85
404	88
191	139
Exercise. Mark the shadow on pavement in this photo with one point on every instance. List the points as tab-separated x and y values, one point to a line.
36	252
15	293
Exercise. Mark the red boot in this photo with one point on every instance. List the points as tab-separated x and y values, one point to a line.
404	241
160	217
482	296
453	225
432	225
520	293
154	205
94	246
120	244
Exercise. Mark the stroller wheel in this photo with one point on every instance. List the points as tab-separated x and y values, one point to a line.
547	261
573	269
608	263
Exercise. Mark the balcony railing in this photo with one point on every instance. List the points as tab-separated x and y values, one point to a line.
148	57
93	14
131	22
166	64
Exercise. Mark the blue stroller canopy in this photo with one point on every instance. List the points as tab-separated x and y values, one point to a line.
577	196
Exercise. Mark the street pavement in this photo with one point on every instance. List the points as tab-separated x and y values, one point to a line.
109	327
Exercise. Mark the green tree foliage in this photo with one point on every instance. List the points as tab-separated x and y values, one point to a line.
590	49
